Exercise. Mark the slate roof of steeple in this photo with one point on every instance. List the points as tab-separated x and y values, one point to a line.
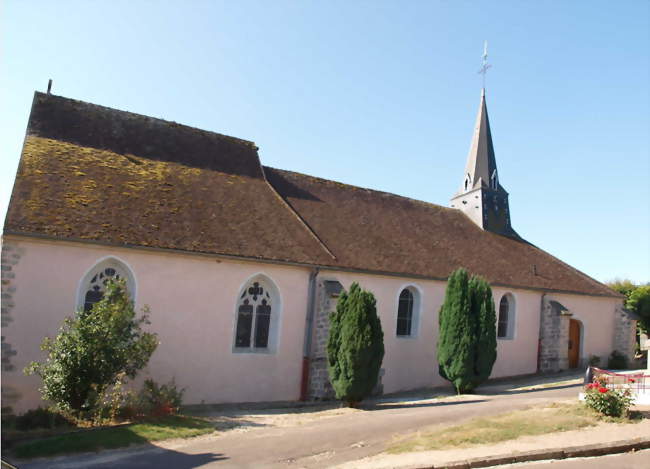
94	174
481	163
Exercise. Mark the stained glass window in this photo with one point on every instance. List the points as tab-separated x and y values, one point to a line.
254	317
97	285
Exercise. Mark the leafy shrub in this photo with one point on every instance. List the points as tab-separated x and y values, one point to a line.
355	346
594	360
623	286
41	418
467	340
92	350
110	403
157	400
617	361
610	402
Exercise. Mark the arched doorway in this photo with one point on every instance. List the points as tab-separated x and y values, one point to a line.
574	343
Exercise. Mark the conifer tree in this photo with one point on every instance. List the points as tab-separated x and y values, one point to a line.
486	338
467	335
355	346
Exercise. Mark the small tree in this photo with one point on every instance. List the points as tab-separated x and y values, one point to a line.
639	303
93	350
467	336
355	346
622	286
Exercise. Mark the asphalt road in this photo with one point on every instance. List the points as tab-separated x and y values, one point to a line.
315	444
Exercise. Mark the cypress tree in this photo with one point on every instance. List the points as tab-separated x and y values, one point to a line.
455	355
486	338
467	335
355	346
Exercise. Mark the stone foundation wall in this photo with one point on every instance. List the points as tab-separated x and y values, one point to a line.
9	258
319	383
553	338
319	387
624	333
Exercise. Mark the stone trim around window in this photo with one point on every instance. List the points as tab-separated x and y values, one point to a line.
416	296
92	284
257	316
506	317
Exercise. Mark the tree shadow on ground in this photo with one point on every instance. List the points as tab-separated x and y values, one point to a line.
386	406
229	416
224	423
496	392
147	456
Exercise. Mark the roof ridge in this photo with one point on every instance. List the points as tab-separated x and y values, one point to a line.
391	194
144	116
297	215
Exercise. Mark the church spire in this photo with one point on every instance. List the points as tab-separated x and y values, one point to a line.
481	168
481	197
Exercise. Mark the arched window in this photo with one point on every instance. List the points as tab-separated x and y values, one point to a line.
405	313
257	316
505	326
494	180
94	282
408	307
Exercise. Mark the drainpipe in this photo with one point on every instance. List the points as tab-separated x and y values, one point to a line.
309	326
539	340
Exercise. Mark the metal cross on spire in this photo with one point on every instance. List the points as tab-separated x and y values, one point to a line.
485	66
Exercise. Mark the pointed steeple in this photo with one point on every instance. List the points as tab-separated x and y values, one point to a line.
481	168
481	197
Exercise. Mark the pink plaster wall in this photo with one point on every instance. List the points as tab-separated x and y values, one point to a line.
597	320
192	301
408	362
518	355
412	362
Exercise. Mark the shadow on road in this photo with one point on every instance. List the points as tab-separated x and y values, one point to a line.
146	457
381	406
166	458
496	392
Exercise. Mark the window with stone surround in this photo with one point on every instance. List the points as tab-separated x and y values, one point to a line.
506	320
257	315
408	308
93	284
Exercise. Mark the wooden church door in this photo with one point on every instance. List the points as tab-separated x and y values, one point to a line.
574	343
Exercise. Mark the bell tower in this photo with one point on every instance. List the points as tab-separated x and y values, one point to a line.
481	196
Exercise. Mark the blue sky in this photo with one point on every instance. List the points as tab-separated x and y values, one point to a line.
380	94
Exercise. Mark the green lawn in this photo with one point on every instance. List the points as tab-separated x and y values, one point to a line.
176	426
490	430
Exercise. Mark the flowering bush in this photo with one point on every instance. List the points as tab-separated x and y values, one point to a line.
610	402
159	400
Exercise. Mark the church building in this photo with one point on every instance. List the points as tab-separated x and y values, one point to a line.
241	264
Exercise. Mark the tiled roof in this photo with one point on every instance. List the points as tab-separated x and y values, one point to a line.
96	174
383	232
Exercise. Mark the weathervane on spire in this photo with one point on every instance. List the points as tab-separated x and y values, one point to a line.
485	66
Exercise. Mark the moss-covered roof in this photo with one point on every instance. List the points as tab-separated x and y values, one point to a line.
92	173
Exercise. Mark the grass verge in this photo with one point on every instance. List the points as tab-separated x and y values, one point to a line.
489	430
176	426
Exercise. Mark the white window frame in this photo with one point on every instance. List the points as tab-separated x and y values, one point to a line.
275	320
512	316
417	307
100	264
